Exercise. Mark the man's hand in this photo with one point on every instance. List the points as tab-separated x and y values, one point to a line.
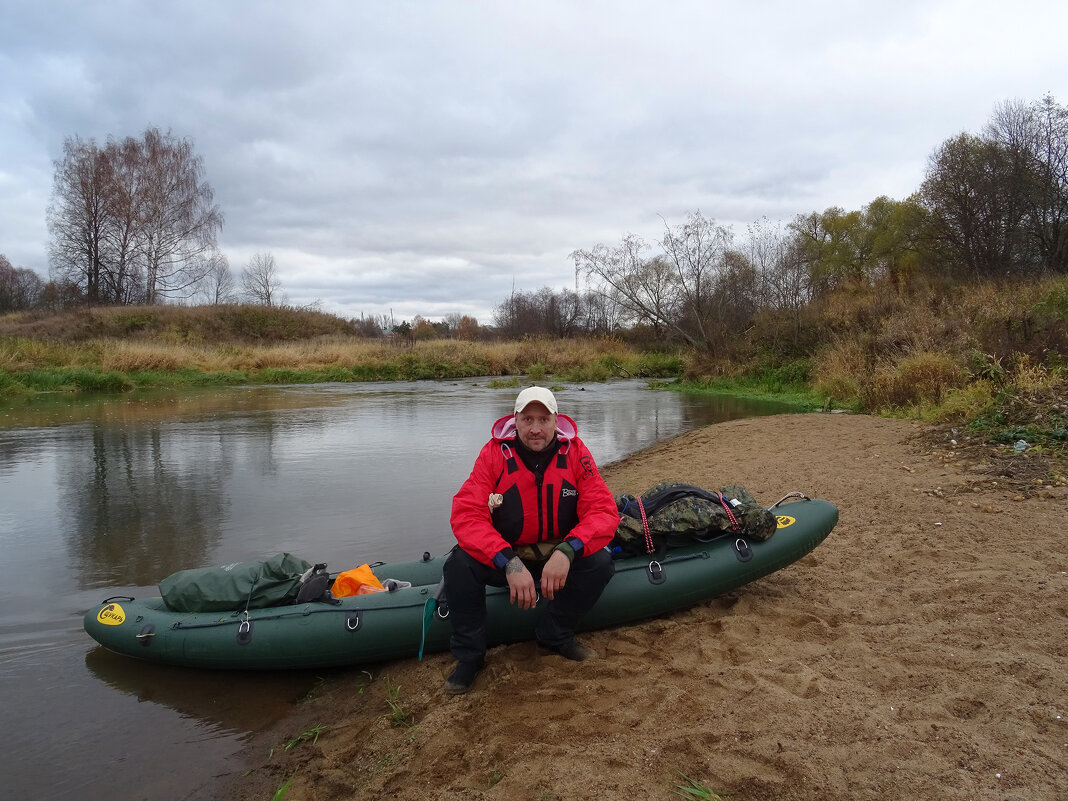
521	591
554	574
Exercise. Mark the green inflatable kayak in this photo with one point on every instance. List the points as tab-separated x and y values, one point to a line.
408	618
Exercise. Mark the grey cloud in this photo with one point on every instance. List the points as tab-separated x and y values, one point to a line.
432	156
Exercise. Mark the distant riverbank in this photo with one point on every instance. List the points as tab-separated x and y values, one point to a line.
114	365
120	349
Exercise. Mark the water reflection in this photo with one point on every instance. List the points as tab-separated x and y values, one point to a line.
225	702
137	497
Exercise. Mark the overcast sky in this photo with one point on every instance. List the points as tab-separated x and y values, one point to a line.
427	158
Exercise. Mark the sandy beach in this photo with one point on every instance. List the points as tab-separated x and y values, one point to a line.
920	652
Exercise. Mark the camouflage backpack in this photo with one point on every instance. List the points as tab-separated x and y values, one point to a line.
677	513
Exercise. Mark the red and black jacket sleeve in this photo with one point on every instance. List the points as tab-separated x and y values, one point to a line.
471	521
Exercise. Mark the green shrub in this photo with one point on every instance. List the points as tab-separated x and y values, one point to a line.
789	377
916	379
1054	302
658	365
985	367
586	373
965	403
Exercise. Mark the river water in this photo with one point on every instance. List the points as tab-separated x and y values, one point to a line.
106	496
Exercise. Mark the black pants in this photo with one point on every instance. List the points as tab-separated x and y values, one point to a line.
465	587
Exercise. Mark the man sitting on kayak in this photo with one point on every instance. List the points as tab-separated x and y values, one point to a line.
534	510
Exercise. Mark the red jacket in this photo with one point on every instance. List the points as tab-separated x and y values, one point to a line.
573	502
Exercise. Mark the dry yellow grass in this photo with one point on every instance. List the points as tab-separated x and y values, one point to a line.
916	379
1029	376
490	358
837	370
145	356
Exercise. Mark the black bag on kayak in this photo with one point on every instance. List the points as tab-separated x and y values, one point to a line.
240	585
675	513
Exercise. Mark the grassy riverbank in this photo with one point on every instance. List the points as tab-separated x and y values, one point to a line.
993	398
110	364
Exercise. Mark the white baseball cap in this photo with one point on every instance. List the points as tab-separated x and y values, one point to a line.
535	395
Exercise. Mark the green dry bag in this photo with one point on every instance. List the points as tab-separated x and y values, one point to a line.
236	586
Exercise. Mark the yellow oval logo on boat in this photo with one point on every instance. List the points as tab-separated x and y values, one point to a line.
785	521
111	615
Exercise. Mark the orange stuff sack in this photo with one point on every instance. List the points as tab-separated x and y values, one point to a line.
358	581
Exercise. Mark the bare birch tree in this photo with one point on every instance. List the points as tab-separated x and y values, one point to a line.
20	288
78	218
259	280
782	271
698	251
675	289
219	286
643	286
1036	137
124	275
131	222
180	220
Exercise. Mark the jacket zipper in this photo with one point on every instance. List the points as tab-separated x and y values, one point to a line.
550	524
538	478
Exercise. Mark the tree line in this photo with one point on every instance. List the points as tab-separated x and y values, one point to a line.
991	206
134	222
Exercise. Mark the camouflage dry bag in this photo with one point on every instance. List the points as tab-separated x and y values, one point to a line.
676	513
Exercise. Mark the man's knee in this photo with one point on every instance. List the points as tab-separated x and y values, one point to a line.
597	568
466	578
459	566
589	575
